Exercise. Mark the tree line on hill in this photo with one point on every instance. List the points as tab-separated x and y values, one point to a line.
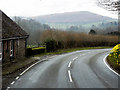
33	28
109	28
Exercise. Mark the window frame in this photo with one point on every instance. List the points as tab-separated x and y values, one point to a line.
11	48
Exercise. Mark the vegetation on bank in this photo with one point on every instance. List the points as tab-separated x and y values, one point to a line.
55	40
114	58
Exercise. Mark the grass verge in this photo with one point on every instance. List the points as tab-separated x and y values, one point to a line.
61	51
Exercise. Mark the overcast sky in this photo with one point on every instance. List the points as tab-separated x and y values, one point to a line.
43	7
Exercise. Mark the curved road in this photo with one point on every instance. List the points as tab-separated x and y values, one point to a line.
80	69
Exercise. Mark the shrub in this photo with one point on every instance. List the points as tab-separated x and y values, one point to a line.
115	54
50	45
114	58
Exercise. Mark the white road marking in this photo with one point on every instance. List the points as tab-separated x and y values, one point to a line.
35	64
13	82
8	88
70	77
17	78
75	58
69	64
83	54
104	60
29	68
24	71
71	61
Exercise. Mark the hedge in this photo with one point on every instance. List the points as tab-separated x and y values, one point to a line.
34	51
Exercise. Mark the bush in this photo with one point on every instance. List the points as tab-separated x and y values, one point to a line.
38	48
114	58
50	45
115	54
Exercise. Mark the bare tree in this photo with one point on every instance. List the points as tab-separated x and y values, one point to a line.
111	5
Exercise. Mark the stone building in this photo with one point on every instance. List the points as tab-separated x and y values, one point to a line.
0	36
14	40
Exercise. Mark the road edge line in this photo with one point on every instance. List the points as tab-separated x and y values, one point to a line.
35	64
104	60
29	68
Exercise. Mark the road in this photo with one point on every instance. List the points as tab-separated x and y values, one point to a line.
80	69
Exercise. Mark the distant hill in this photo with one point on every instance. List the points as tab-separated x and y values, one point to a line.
30	25
82	17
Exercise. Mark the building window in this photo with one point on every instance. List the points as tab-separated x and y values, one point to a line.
11	48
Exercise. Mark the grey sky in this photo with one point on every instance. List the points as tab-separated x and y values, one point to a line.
43	7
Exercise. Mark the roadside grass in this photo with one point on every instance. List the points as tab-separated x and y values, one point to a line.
22	64
61	51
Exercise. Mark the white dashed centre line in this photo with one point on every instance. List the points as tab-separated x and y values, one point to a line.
69	64
70	77
75	58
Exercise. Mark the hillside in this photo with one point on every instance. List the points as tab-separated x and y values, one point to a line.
82	17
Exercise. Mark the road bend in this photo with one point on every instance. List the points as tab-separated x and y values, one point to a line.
80	69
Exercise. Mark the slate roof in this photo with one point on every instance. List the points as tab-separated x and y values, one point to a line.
10	29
